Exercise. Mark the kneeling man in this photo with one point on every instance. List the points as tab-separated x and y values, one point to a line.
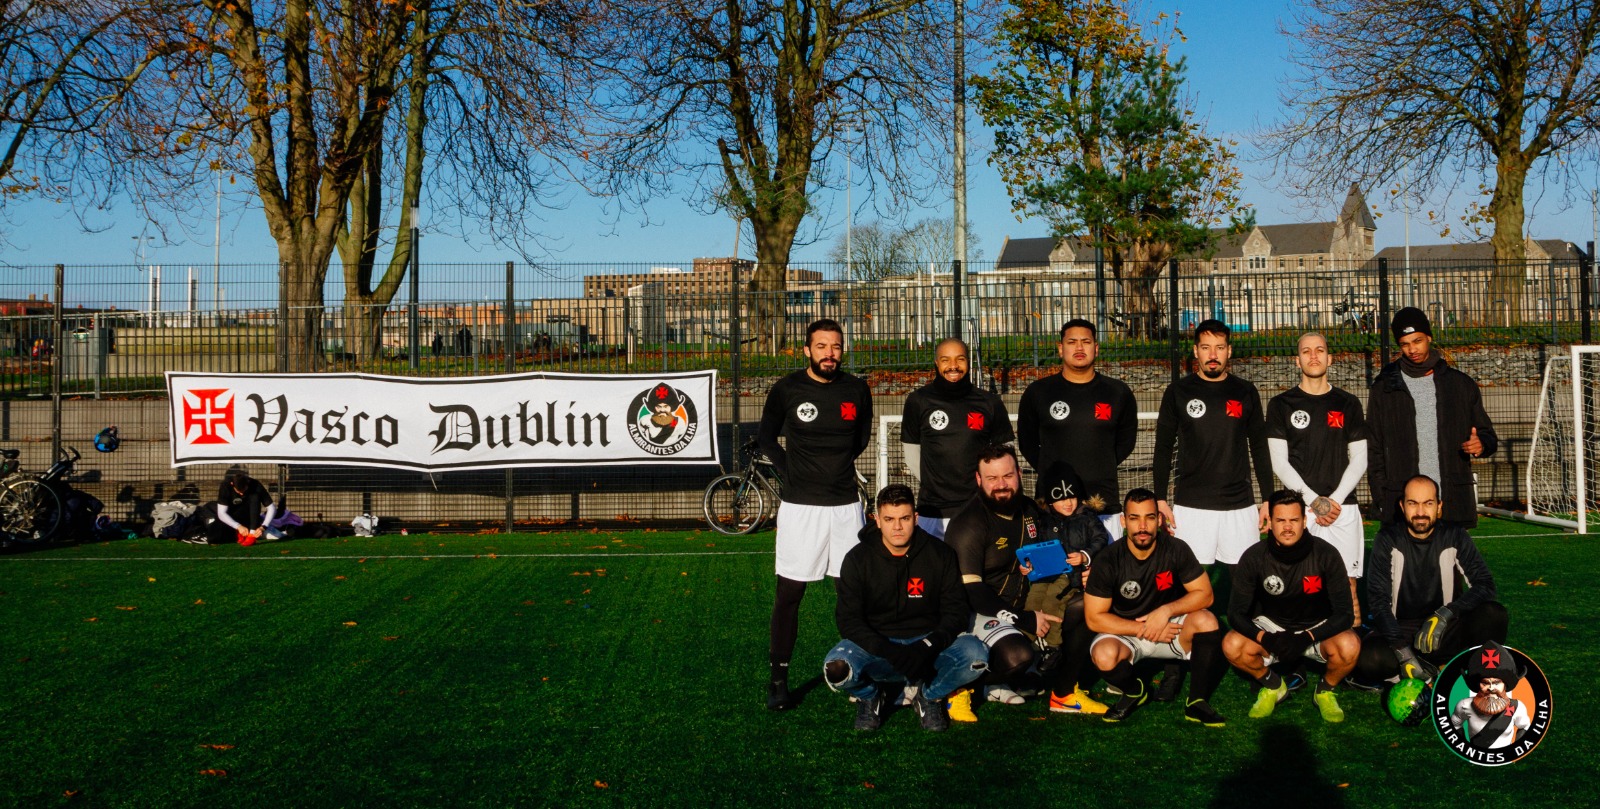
1147	597
1289	601
901	612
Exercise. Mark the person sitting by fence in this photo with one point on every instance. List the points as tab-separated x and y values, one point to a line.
244	509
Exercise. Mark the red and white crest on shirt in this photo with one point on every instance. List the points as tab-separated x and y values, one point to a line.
1336	419
1235	409
207	415
1102	411
975	421
1164	580
847	411
1311	584
914	587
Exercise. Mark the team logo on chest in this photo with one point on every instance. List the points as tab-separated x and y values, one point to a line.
1235	409
1300	419
1130	589
914	588
847	411
975	421
1273	585
938	419
1102	411
1336	419
1060	410
1311	584
1164	580
1195	408
806	412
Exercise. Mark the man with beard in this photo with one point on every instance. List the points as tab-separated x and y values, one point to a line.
1430	594
902	615
1147	597
1215	421
1425	418
943	427
985	536
1288	602
1490	716
824	416
1318	443
1081	417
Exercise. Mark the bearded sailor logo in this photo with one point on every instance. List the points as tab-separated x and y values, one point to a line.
1060	410
1273	585
1196	408
664	420
1130	589
1300	419
938	419
806	412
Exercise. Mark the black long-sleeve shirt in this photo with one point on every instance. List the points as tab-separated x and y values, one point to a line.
1220	432
986	546
826	425
882	596
1409	579
951	427
1298	588
1091	425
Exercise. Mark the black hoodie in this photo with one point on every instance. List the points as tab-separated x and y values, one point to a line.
883	596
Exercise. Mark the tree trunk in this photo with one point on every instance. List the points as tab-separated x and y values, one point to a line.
769	283
304	269
1510	252
1138	267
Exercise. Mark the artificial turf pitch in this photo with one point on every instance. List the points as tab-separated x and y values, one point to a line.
606	668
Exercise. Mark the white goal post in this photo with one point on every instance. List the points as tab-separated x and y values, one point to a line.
1562	476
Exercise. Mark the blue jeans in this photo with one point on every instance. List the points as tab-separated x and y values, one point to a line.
965	661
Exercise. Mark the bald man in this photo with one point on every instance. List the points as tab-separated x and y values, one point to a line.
943	427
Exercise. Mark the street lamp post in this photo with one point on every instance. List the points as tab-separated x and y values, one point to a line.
416	272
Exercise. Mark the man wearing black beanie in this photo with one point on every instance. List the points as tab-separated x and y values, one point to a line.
1425	418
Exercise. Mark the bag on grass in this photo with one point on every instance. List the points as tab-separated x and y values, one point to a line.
169	520
366	525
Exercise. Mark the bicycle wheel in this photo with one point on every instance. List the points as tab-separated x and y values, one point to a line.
30	511
734	505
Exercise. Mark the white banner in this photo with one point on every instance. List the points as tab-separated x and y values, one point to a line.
438	424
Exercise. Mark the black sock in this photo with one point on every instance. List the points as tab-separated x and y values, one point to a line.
1206	663
785	627
1122	677
1324	685
1271	679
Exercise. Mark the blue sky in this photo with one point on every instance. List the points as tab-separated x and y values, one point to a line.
1236	63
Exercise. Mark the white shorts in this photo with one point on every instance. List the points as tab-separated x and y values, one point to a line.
812	540
990	629
1346	535
933	525
1142	648
1217	536
1113	524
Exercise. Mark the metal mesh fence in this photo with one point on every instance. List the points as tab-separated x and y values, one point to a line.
118	329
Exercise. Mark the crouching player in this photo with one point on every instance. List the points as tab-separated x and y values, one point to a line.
901	612
1290	600
1147	597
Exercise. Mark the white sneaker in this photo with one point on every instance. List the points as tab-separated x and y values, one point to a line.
1002	694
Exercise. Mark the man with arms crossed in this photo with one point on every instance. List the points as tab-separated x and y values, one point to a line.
902	613
944	425
1080	417
1288	602
1147	597
1318	442
824	416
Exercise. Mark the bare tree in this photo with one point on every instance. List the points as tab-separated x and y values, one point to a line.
329	108
744	99
1446	89
871	251
933	241
61	70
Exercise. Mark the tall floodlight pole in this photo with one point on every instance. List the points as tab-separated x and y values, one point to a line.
216	254
960	145
416	271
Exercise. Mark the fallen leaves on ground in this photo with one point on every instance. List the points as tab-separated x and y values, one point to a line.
90	620
601	785
217	773
1539	582
217	746
349	623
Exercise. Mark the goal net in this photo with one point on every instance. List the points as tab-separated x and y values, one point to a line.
1564	464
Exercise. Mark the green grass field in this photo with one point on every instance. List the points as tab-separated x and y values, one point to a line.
627	669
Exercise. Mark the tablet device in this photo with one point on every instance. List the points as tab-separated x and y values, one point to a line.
1048	559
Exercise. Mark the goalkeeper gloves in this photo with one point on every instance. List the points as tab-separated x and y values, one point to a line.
914	660
1431	636
1286	645
1414	667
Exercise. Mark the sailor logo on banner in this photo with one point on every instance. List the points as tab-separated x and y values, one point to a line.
441	424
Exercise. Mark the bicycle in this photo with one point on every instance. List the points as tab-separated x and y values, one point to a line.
741	503
32	509
1357	317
